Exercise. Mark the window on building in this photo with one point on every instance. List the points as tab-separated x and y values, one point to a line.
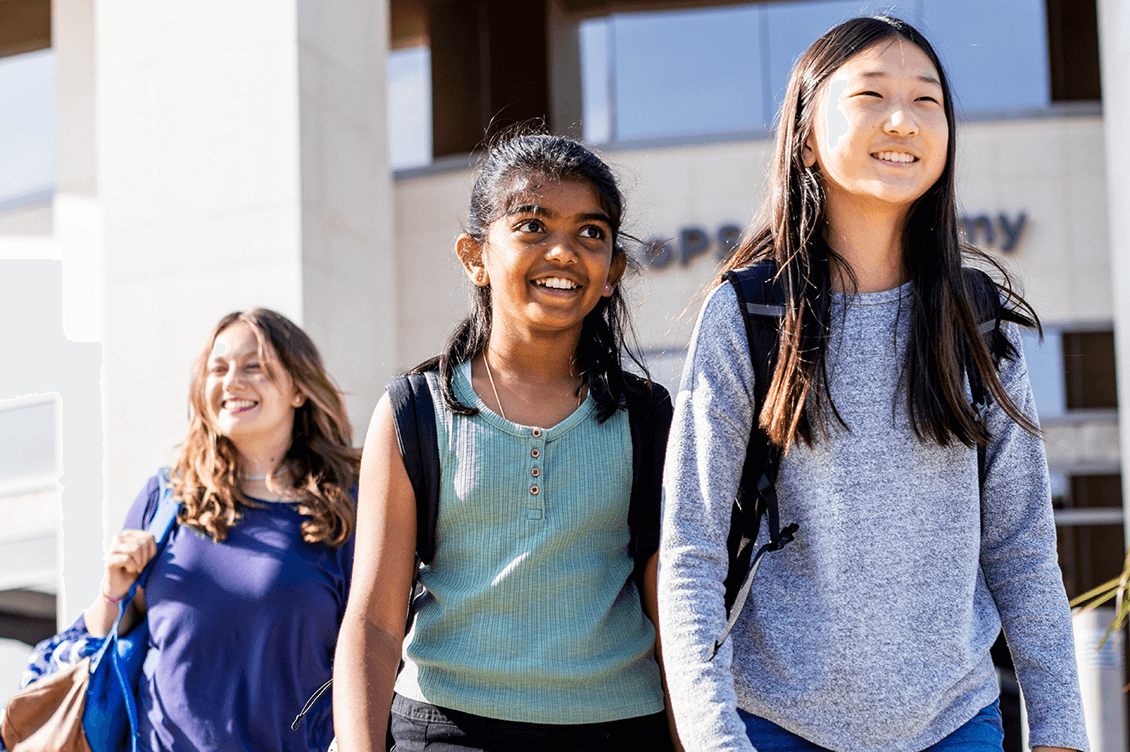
1071	370
1088	359
629	74
1046	371
1073	50
27	440
1089	530
699	71
410	100
27	129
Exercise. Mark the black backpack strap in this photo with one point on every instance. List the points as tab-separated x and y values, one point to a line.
649	415
762	305
987	308
413	415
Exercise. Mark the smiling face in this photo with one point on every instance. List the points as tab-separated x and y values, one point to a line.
547	258
880	134
250	400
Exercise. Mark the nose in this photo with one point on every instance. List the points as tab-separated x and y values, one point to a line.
900	121
562	251
232	378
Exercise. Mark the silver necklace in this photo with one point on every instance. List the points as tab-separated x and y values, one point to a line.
264	476
490	377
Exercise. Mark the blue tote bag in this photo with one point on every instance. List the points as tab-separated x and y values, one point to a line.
110	715
104	680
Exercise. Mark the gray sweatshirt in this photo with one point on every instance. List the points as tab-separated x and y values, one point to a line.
871	631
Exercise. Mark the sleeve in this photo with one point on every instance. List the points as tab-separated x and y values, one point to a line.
705	453
1021	567
60	652
144	506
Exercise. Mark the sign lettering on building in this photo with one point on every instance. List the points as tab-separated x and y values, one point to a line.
1001	233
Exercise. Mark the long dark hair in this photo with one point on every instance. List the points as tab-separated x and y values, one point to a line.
321	462
513	163
944	326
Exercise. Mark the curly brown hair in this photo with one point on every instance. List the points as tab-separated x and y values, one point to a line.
321	463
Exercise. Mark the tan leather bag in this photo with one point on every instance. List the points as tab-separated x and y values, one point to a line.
46	716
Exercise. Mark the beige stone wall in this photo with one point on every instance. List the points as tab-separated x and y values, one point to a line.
1051	168
242	161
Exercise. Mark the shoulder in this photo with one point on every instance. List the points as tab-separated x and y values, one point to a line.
721	306
144	506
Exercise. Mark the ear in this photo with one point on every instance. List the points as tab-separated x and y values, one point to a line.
615	272
298	400
807	152
470	255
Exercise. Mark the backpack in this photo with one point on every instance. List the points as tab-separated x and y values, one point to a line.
649	417
762	304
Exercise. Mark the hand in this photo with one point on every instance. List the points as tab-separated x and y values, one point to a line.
129	553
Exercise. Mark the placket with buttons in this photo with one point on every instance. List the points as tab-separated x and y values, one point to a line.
536	507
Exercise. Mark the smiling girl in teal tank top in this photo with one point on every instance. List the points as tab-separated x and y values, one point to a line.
531	631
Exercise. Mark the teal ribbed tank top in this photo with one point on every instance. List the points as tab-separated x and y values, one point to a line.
529	611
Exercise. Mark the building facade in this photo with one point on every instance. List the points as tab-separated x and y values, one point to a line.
316	158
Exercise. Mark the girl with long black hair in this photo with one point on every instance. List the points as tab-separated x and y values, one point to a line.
872	630
531	632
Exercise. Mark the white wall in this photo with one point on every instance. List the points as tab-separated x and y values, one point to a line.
241	162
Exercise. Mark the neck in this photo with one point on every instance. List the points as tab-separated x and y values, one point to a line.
532	379
262	457
869	240
533	357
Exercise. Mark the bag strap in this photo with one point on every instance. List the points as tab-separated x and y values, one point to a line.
762	305
413	415
988	308
649	418
160	527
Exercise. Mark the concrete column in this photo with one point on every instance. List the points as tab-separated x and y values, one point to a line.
242	161
1114	48
78	240
348	288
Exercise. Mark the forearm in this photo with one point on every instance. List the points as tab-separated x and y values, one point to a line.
365	668
99	616
649	600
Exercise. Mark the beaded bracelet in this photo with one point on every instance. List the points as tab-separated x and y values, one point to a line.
103	594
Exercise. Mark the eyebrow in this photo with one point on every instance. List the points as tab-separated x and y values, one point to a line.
541	211
923	78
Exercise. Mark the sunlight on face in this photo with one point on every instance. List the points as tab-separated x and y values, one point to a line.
881	134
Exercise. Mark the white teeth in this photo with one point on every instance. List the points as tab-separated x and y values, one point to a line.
895	156
238	404
557	283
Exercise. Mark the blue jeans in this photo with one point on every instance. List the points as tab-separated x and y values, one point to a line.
982	733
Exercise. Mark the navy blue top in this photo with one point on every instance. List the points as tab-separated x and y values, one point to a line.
241	633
